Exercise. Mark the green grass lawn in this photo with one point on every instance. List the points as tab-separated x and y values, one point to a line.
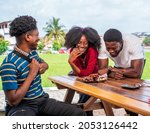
58	65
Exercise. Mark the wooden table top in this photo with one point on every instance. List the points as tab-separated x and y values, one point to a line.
111	91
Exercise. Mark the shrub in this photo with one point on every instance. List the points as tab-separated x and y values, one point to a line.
40	46
147	41
3	45
56	45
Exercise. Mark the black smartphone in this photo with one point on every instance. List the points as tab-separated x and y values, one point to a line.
128	86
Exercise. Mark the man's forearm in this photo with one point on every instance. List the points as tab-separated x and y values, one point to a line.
15	97
131	73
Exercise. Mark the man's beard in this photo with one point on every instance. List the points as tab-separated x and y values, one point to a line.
33	48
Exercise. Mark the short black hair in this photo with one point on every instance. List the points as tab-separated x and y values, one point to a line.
74	34
112	35
21	25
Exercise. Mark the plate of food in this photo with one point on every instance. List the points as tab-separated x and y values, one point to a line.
86	79
101	78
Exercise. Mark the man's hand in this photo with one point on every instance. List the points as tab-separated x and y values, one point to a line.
43	68
34	67
116	73
103	71
15	96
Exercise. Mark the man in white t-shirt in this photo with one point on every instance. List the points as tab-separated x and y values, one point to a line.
126	52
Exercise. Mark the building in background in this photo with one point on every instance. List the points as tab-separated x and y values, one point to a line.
4	31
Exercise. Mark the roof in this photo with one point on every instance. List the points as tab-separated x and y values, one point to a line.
6	22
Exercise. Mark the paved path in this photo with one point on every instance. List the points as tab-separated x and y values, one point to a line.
59	94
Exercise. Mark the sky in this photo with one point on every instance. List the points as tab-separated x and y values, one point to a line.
128	16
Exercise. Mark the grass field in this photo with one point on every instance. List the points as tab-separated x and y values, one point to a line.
58	66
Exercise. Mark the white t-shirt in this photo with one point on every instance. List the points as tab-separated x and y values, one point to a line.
132	50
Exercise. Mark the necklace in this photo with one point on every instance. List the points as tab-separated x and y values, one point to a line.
21	51
84	61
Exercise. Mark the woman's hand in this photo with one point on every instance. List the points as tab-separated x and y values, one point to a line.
74	54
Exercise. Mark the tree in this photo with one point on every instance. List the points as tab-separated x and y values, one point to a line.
40	46
147	41
56	45
55	32
3	45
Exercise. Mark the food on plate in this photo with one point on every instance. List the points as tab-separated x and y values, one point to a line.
93	78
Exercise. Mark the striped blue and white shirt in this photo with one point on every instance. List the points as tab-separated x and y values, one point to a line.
14	71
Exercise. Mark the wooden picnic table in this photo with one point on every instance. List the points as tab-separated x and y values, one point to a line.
109	92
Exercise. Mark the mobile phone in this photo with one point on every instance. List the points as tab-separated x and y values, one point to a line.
128	86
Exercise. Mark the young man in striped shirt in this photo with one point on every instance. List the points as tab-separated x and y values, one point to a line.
21	80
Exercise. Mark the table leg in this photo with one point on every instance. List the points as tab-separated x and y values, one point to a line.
107	108
89	102
69	96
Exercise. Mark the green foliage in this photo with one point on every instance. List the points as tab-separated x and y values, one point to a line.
146	73
40	46
147	41
3	45
55	32
56	46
